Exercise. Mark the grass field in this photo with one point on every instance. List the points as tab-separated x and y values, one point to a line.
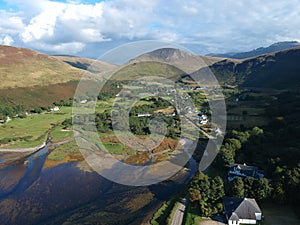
279	215
61	152
34	128
58	134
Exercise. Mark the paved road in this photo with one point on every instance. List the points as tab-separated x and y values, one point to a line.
179	213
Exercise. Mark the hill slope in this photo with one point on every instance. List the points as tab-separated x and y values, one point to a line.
94	66
276	70
147	68
260	51
26	68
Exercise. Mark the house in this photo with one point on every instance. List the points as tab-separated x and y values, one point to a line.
243	171
56	108
144	114
203	119
83	101
241	210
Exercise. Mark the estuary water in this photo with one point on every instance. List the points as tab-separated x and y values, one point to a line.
66	194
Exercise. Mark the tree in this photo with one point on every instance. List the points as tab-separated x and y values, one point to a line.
194	195
261	189
225	157
237	188
233	144
248	186
202	183
217	189
241	136
279	194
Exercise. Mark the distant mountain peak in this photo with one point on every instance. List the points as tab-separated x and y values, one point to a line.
169	53
279	46
185	61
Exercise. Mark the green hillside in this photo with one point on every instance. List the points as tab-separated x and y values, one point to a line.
150	68
278	70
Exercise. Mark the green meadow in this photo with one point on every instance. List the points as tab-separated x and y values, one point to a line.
33	130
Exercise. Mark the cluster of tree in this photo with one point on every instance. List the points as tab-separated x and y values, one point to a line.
13	139
208	193
286	184
11	111
141	126
66	102
260	189
157	103
235	141
261	148
103	121
104	96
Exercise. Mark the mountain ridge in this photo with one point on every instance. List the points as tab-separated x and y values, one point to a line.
279	46
185	61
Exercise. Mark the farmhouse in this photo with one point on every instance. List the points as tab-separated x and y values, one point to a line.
243	171
241	210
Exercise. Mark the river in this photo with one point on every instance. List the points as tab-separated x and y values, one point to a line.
31	194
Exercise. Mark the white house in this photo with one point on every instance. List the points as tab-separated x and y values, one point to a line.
56	108
144	115
83	101
241	211
203	119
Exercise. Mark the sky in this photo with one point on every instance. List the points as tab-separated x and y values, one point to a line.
90	28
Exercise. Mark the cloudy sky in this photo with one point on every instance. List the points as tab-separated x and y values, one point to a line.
89	28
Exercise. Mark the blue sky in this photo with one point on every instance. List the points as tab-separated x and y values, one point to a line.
89	28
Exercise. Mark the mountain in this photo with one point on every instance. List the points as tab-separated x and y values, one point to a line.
33	79
183	60
279	70
259	51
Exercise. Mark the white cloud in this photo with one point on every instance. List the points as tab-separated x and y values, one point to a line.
65	48
213	24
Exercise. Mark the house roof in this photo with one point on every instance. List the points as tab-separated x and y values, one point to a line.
240	208
245	170
243	167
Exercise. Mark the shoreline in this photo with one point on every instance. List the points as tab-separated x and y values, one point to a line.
8	150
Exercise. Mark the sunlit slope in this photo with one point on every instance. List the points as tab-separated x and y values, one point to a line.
21	67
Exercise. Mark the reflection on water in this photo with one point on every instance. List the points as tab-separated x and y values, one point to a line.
31	195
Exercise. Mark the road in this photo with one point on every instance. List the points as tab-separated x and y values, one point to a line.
200	129
179	213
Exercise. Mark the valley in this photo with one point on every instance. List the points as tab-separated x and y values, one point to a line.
262	102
